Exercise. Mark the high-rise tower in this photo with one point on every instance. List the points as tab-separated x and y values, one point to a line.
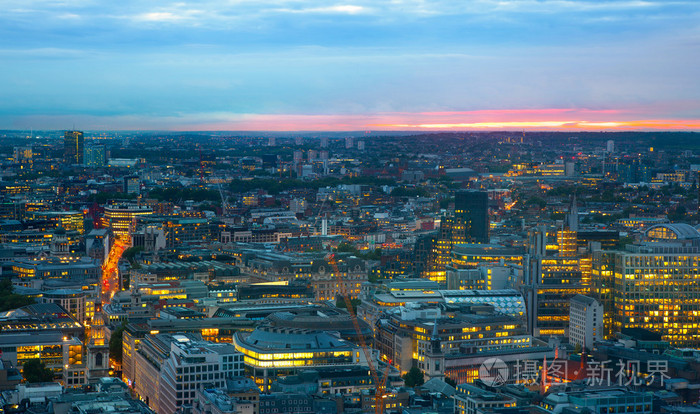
472	216
73	143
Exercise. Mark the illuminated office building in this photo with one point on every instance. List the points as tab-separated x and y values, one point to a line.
73	147
272	351
61	354
119	218
557	280
77	302
477	266
654	284
472	211
22	155
602	284
65	268
469	224
95	155
568	243
470	256
375	303
68	220
404	336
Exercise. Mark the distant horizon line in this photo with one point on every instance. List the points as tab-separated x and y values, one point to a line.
366	132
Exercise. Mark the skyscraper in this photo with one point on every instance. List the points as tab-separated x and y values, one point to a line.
472	214
73	143
469	224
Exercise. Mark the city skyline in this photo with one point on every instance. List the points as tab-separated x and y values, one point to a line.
357	65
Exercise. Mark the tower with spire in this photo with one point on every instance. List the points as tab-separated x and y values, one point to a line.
572	216
434	357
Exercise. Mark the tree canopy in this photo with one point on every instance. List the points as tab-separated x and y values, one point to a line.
10	300
414	377
115	344
35	371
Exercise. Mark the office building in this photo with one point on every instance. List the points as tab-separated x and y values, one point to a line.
67	220
119	218
169	369
557	280
77	302
95	155
77	269
73	147
653	285
273	351
585	321
132	184
406	334
602	401
469	224
61	354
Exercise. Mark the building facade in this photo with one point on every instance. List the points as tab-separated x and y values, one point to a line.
73	147
585	321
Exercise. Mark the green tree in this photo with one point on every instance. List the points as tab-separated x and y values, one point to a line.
35	371
536	201
10	300
340	303
131	252
346	248
451	382
115	344
414	377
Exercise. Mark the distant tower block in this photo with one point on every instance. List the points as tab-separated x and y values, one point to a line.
73	147
324	142
361	145
298	156
324	155
572	216
324	227
348	142
298	141
313	154
271	142
610	146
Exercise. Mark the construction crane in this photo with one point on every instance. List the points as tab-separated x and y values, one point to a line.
380	383
224	200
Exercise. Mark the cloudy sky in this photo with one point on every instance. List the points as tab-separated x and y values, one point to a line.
349	65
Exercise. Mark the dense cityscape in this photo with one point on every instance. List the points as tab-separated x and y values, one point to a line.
388	272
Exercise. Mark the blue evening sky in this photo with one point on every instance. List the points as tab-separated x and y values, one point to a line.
245	64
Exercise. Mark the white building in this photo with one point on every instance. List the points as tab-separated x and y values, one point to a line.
610	146
171	368
585	321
